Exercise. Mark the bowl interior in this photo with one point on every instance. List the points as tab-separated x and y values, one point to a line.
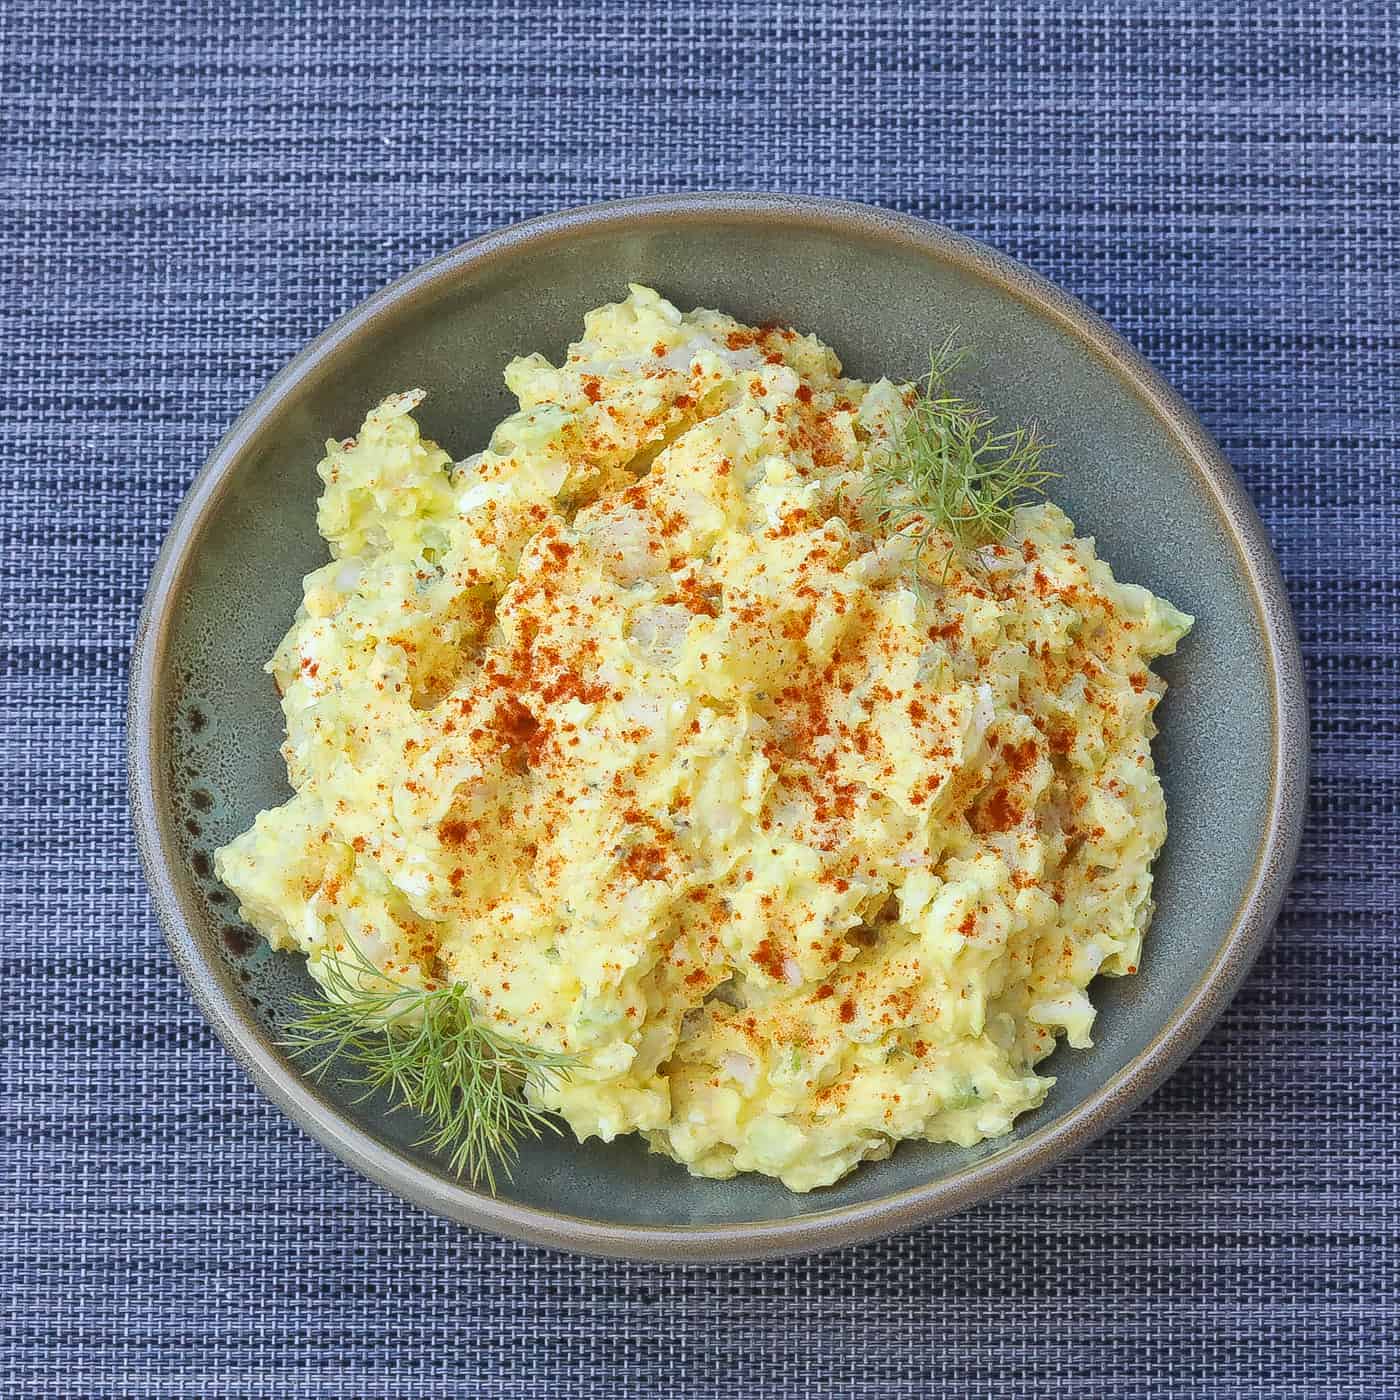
880	301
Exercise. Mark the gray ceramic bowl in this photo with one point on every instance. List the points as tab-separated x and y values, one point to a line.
1138	472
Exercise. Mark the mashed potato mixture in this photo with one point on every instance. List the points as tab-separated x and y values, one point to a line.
637	725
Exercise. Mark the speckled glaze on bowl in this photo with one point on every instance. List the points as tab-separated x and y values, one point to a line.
1139	472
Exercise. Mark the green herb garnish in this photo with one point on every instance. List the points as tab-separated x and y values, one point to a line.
950	472
433	1055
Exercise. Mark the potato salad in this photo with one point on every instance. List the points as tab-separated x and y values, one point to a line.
800	834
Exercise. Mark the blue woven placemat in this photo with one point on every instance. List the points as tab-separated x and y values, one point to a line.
190	191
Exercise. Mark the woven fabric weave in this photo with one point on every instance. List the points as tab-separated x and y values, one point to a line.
192	190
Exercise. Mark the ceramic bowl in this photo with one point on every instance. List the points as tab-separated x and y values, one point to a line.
1138	472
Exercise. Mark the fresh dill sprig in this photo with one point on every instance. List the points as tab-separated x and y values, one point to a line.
433	1055
951	471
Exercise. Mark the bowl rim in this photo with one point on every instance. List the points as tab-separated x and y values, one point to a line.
1240	944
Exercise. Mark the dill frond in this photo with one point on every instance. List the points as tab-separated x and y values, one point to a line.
951	473
434	1057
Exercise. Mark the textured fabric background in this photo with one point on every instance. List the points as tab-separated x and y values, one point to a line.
188	192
